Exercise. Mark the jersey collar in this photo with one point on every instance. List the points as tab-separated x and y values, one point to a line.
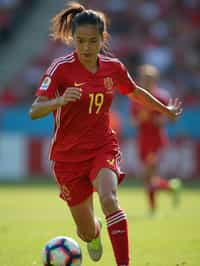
85	69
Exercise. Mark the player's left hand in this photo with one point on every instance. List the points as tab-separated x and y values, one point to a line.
174	108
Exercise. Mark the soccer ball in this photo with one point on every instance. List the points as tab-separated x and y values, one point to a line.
61	251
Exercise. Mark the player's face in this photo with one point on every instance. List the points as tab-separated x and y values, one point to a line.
88	42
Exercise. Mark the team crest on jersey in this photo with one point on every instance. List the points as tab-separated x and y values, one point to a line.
111	162
45	84
65	193
108	83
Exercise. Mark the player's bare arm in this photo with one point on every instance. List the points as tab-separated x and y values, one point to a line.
172	110
42	106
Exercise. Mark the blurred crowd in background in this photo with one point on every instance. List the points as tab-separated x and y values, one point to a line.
11	12
163	33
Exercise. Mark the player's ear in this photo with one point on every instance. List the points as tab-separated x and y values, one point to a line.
104	39
105	36
72	42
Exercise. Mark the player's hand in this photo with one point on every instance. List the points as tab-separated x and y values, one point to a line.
174	108
72	94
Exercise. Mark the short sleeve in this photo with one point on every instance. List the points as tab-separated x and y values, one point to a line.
125	83
49	83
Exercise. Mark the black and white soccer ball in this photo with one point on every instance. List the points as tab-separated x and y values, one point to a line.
61	251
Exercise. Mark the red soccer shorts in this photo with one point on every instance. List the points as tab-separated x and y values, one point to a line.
75	179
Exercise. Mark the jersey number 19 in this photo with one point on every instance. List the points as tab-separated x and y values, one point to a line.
96	102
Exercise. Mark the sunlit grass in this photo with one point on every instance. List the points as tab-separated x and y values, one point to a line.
32	214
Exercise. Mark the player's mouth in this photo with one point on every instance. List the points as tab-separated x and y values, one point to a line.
87	55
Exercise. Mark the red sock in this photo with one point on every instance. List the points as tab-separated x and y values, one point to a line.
117	225
151	193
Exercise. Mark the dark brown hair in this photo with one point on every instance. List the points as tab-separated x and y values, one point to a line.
64	24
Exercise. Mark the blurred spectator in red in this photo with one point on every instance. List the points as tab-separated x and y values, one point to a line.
151	137
11	12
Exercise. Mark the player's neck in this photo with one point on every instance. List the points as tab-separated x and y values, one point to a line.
90	65
91	68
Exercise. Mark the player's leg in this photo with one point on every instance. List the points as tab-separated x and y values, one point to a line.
83	215
79	201
88	228
81	208
154	183
149	171
106	183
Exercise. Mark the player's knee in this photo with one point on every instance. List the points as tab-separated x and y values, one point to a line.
86	235
109	203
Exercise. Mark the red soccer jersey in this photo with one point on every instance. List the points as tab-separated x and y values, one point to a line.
151	135
82	128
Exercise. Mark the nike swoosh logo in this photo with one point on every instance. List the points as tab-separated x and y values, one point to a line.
77	84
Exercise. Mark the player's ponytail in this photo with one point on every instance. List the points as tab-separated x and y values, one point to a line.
62	23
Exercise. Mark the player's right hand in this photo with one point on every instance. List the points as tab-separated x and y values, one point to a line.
174	108
72	94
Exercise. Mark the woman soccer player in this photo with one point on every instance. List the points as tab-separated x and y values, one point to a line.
152	137
79	88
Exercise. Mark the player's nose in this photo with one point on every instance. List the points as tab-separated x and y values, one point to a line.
86	47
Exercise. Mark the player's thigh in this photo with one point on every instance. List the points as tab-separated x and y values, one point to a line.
106	173
106	182
83	215
105	176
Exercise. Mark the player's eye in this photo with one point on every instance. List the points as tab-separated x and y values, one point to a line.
93	40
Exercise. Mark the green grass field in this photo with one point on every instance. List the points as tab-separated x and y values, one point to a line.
31	214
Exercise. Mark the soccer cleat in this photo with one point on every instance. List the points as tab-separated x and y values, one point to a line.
94	247
175	185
